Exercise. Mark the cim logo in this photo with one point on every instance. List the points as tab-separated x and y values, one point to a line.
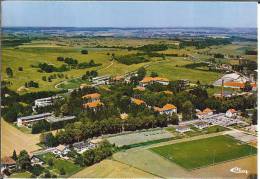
238	170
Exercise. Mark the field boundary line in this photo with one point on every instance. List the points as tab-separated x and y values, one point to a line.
136	168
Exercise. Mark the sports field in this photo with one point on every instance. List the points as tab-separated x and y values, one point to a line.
204	152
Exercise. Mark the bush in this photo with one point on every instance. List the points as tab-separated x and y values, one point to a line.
50	162
84	52
131	59
62	171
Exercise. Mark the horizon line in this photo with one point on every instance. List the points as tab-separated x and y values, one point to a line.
122	27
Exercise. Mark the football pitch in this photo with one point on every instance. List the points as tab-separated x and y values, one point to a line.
204	152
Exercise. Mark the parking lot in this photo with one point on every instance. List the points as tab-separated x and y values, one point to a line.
222	120
243	137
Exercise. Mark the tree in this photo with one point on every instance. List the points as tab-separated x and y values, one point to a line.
14	155
9	72
187	110
84	52
62	171
60	58
89	157
154	74
44	78
23	160
50	162
254	117
247	87
47	174
20	68
50	140
141	73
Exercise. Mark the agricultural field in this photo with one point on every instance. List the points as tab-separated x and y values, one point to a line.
111	169
14	139
100	50
204	152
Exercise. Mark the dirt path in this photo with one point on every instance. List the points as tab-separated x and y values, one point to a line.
56	86
13	139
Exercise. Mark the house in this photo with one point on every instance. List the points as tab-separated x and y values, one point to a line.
150	80
92	97
163	81
234	85
7	163
43	102
118	79
96	141
137	101
182	129
205	113
201	125
54	119
101	80
61	150
36	160
83	85
231	113
29	120
239	85
146	81
93	105
167	109
168	92
139	88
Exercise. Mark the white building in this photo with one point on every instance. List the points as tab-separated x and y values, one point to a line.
201	125
205	113
43	102
28	120
231	113
182	129
167	109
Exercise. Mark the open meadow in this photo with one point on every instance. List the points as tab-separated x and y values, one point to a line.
100	50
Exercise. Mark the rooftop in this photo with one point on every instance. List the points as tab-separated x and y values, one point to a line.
91	96
93	104
7	161
53	119
137	101
149	79
166	107
35	116
232	110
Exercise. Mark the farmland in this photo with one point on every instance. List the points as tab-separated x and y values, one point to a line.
204	152
100	50
13	139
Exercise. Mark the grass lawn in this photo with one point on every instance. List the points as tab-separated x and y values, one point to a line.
215	128
204	152
69	167
21	175
174	70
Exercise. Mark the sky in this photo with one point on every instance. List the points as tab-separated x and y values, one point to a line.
128	14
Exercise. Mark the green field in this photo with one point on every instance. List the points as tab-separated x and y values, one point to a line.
39	51
204	152
21	175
